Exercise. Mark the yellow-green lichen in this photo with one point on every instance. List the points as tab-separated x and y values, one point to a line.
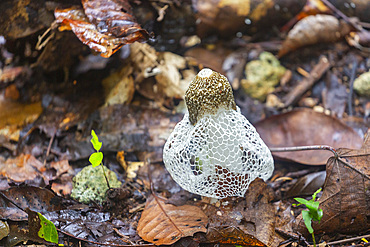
262	76
90	184
362	84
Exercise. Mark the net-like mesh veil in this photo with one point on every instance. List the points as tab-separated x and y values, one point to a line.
218	154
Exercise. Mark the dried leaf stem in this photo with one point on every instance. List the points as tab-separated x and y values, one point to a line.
306	148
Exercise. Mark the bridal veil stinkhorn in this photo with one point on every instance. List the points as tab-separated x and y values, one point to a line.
214	151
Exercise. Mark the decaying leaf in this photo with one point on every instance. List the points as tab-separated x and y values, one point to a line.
254	216
162	223
304	127
228	17
233	236
14	116
307	185
35	198
312	30
160	75
105	26
20	18
119	87
22	168
346	195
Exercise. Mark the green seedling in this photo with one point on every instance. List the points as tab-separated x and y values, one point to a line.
313	212
97	158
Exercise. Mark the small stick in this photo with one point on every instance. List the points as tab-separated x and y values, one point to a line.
341	15
293	96
348	240
351	80
306	148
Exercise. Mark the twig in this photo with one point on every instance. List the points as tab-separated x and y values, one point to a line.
341	15
348	240
306	148
293	96
352	78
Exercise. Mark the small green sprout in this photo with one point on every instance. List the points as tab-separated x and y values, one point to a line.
313	212
97	158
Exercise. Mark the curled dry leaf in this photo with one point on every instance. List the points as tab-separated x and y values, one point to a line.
304	127
162	223
312	30
105	26
346	194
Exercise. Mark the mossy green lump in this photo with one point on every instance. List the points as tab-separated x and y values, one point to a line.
90	184
262	76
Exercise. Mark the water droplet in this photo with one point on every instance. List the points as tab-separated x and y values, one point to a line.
353	5
248	21
239	34
277	7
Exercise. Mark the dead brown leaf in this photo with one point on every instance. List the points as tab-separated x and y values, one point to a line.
232	235
312	30
105	26
22	168
304	127
346	195
254	217
228	17
38	199
14	116
162	223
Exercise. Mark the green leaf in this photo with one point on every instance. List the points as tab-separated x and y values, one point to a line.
315	194
301	200
48	231
319	215
95	141
307	220
96	159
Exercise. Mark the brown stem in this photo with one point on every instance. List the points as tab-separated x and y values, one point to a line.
306	148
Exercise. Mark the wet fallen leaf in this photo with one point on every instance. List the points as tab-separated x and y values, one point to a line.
119	87
22	18
307	185
335	95
346	195
305	127
231	235
35	198
114	17
105	26
312	30
22	168
228	17
254	216
14	116
162	223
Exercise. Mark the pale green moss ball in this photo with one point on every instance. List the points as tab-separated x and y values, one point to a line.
90	184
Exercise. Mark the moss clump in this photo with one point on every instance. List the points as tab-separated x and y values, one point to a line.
90	184
362	84
262	76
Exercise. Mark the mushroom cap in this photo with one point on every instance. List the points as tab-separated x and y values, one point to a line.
208	92
214	151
